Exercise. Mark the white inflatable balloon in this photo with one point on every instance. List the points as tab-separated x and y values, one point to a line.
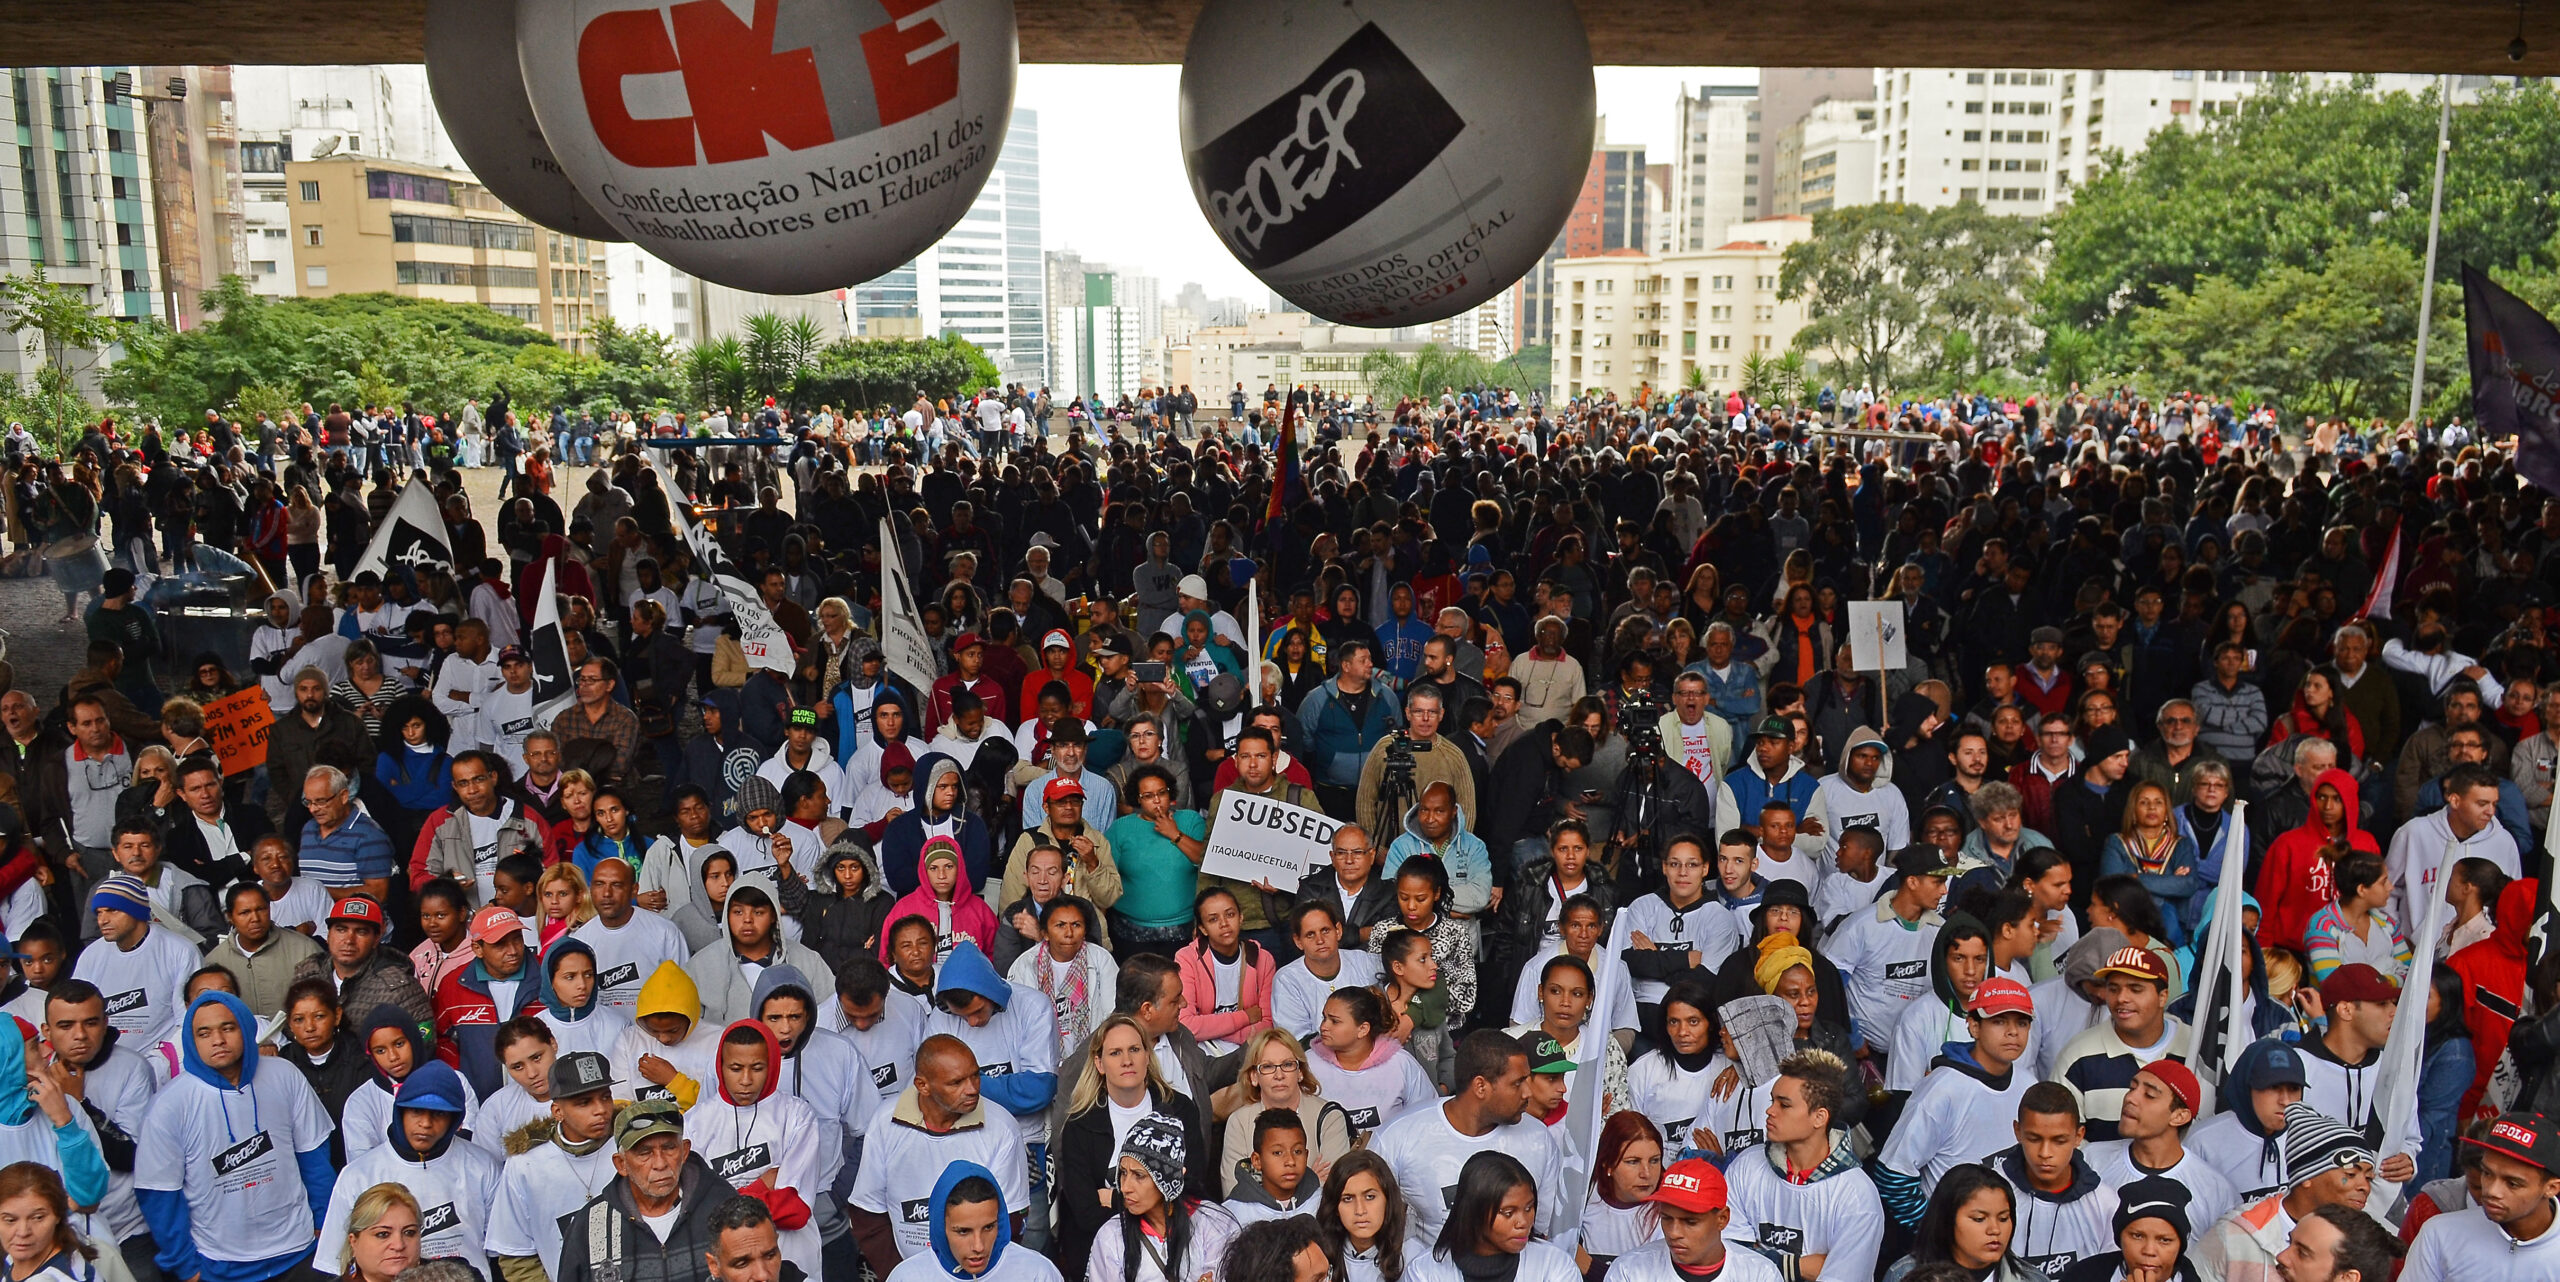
1387	162
775	146
471	72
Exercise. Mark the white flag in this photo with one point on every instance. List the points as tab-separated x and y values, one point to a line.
555	687
904	646
707	556
765	643
2222	966
412	536
2403	1054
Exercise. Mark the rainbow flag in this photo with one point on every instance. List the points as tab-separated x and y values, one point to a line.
1288	488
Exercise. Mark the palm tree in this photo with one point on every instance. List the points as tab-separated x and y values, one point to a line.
1792	373
768	354
1759	378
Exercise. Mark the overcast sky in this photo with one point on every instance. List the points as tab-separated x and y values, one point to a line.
1111	180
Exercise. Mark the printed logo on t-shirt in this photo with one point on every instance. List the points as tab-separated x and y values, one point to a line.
127	1003
626	973
916	1210
1902	970
655	1092
230	1160
1004	1069
2052	1266
1738	1140
1363	1119
884	1076
439	1219
1784	1245
1449	1197
516	729
1847	822
740	1167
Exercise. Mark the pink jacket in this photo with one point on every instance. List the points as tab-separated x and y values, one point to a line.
1200	1014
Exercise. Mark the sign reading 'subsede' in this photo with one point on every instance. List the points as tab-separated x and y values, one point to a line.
1257	839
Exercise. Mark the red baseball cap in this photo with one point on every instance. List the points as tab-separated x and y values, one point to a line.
2358	982
1999	996
2181	1081
1695	1186
966	640
357	908
496	924
1061	787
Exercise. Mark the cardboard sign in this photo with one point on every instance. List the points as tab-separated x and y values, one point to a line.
1257	839
237	725
1876	638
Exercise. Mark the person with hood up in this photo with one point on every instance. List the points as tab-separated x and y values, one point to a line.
1156	1221
1436	825
1010	1030
394	1047
860	748
2331	1165
38	1123
2296	881
1973	1089
2151	1234
473	1001
848	905
2495	971
1959	961
572	998
938	1120
829	1073
751	937
1057	663
455	1182
941	808
884	796
2245	1141
946	896
972	1235
2065	1214
668	1053
233	1165
723	754
764	1142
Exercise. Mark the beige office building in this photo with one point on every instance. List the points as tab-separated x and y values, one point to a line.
1629	322
361	224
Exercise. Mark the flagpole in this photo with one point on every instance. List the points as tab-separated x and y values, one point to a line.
2435	224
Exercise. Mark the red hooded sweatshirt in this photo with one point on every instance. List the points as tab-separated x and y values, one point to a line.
971	919
2494	969
2295	882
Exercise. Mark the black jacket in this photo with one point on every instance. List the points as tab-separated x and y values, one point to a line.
1520	796
1088	1162
186	847
638	1254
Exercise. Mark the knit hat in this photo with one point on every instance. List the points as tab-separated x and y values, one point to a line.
125	893
2154	1197
2315	1142
758	793
2104	742
1156	1141
943	848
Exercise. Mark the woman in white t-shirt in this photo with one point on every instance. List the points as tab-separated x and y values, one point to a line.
1495	1213
1365	1070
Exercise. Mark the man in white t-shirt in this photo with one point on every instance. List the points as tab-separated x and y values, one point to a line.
507	712
629	943
142	971
1429	1146
464	682
937	1120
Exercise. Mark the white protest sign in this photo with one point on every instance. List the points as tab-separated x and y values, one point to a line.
1876	640
1257	839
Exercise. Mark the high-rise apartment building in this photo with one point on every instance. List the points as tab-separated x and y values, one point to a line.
1629	322
1716	170
76	193
2018	140
1100	329
1788	94
1827	159
642	291
288	114
1613	214
984	280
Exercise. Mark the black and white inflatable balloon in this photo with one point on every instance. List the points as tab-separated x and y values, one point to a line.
471	73
775	146
1387	162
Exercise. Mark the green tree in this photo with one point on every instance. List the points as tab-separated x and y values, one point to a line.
62	331
1864	286
2335	341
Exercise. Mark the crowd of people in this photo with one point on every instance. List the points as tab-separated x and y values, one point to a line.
1653	937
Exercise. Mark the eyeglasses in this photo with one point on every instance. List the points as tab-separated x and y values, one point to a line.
1353	850
1291	1066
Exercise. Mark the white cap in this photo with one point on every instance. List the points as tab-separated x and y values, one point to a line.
1192	585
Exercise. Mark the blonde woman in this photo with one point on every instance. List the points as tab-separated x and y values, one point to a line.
382	1235
1274	1074
1117	1085
561	899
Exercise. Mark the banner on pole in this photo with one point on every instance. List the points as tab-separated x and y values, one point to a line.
765	643
904	647
412	536
1257	839
555	687
2515	376
1876	639
237	725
